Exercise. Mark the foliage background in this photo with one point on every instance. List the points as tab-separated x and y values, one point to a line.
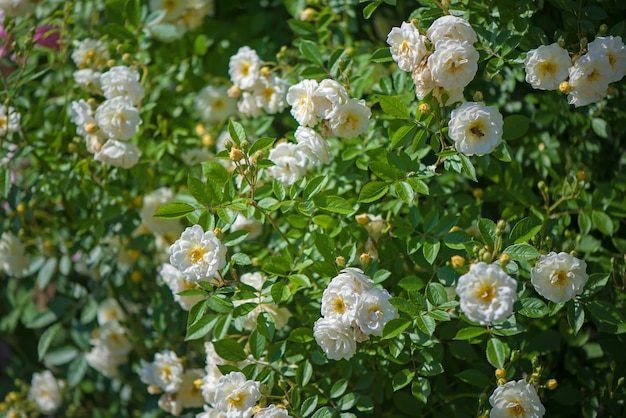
558	184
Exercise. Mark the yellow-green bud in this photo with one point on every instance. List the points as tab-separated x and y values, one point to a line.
457	261
552	384
340	261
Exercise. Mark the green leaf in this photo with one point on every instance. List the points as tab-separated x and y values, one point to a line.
200	45
370	8
235	238
280	292
373	191
575	316
46	338
404	192
395	327
436	294
468	167
60	356
515	126
600	127
230	350
338	388
497	352
46	272
301	335
308	406
237	133
257	344
385	171
469	333
406	306
200	328
310	51
382	55
426	323
265	325
431	250
198	190
524	230
603	222
261	144
220	304
324	412
304	373
522	252
403	134
596	282
76	370
133	11
475	378
335	204
533	308
174	210
402	378
392	106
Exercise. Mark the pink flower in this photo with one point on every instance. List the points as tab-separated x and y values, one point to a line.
47	36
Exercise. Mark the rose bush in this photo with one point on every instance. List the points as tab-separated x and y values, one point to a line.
312	208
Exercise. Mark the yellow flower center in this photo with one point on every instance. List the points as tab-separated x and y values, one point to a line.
351	122
196	254
559	278
516	410
245	69
477	129
547	68
268	93
219	104
237	400
340	306
593	76
612	59
485	292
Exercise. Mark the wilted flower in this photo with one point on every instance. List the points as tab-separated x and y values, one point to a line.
407	46
547	66
289	163
454	63
559	277
300	98
451	27
337	340
514	400
46	392
235	396
475	128
486	293
197	254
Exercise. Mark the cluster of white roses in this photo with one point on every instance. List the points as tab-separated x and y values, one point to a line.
549	66
107	129
177	386
110	344
180	15
46	392
258	87
13	260
487	293
352	310
9	120
198	255
445	70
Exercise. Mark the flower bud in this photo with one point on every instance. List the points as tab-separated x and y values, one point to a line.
478	96
133	255
200	130
111	63
92	102
583	43
363	219
454	229
542	186
218	233
564	87
501	382
424	108
71	147
228	144
91	127
500	373
135	276
265	72
245	145
457	262
207	140
561	42
138	200
235	154
234	92
478	194
20	208
307	14
581	175
365	259
500	226
504	260
126	57
602	29
486	257
153	389
340	261
552	384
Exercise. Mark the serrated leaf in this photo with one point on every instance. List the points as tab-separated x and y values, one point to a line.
236	131
230	350
174	210
603	222
257	344
487	230
418	185
370	8
308	406
392	106
533	308
385	171
524	230
235	238
405	306
497	352
395	327
402	378
280	292
200	328
468	167
515	126
261	144
431	250
575	316
309	50
334	204
403	134
373	191
46	339
404	192
265	325
382	55
522	252
469	333
426	323
436	294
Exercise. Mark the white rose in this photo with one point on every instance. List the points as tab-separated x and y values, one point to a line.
189	394
516	399
337	341
271	411
90	53
117	153
451	27
214	105
118	118
486	293
173	8
209	412
248	105
152	202
289	163
9	120
177	283
46	392
111	338
270	94
355	278
559	277
165	371
475	128
100	359
328	95
122	81
547	66
615	51
254	227
589	79
453	64
110	310
339	302
300	98
87	79
374	311
451	96
350	119
313	145
423	80
197	254
235	396
12	258
244	68
407	46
